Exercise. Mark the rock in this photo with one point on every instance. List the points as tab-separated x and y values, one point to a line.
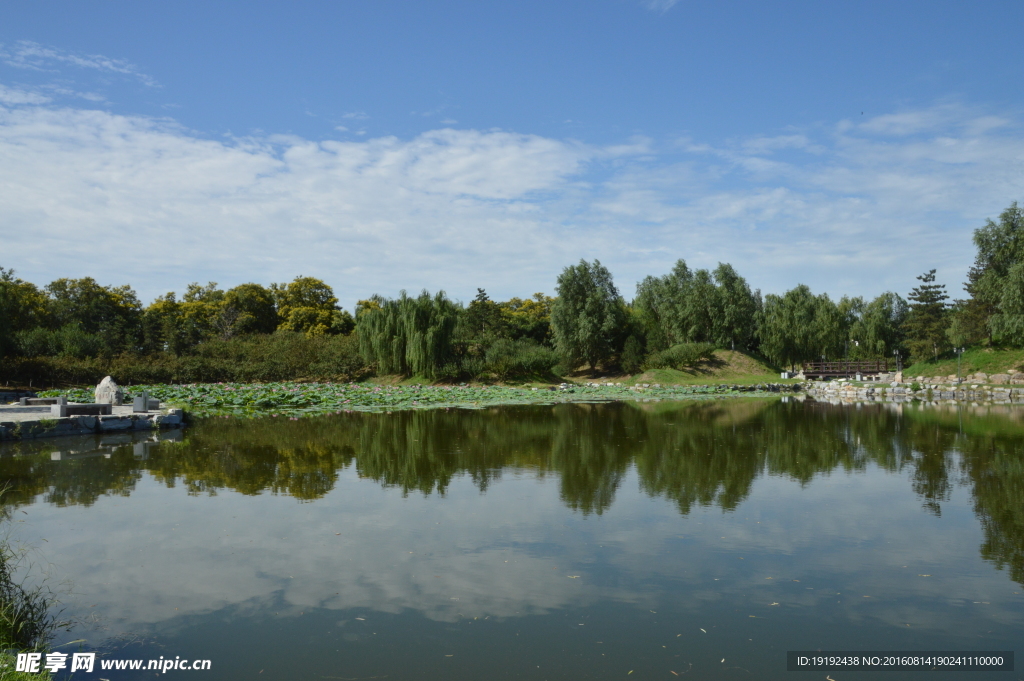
981	377
108	392
999	379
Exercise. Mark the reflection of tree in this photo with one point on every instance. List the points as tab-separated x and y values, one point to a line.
590	449
692	453
995	467
67	483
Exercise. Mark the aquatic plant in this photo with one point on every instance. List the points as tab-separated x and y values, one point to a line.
296	399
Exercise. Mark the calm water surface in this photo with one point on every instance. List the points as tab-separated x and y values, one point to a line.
703	539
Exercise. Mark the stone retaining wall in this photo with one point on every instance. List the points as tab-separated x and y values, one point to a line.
836	390
85	425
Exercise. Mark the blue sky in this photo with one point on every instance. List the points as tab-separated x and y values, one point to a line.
388	145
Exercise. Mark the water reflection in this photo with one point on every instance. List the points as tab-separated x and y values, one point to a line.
570	541
696	454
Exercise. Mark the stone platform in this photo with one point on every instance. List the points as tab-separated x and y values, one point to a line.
18	423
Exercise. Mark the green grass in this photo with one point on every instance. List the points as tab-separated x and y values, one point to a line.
988	360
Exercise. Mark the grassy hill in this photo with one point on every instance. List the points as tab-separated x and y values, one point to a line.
727	366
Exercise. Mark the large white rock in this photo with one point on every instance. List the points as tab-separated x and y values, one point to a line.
108	392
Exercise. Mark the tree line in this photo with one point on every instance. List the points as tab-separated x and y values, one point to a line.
673	320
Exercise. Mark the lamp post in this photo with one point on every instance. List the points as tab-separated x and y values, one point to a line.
899	367
959	353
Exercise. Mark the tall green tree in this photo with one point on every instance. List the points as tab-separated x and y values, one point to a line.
1000	246
926	321
800	326
112	311
1008	322
876	328
249	308
588	316
307	304
528	318
660	307
22	307
484	321
699	306
737	308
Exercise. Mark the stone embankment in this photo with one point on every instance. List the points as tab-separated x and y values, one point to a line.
720	388
34	417
975	388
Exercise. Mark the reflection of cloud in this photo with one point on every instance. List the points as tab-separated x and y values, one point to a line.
456	209
160	555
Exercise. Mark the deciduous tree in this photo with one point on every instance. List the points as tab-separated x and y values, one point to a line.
588	315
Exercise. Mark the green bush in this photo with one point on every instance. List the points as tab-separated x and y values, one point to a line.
632	358
680	356
473	366
508	358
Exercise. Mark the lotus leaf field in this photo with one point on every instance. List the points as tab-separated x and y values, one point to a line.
298	399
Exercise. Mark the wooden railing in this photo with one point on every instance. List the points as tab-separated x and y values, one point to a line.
845	368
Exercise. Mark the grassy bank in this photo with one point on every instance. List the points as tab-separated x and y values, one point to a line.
726	366
987	360
334	359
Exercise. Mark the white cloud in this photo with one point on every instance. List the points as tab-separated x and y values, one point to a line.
90	193
13	96
26	54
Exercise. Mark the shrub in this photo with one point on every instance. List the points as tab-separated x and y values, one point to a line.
270	357
680	356
67	341
508	358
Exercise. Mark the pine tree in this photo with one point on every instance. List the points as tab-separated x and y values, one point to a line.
925	327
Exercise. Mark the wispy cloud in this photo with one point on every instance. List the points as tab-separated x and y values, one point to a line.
15	96
660	5
26	54
456	209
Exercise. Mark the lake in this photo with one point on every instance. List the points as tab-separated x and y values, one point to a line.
626	541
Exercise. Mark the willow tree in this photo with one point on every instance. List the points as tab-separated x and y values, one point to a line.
800	326
409	336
